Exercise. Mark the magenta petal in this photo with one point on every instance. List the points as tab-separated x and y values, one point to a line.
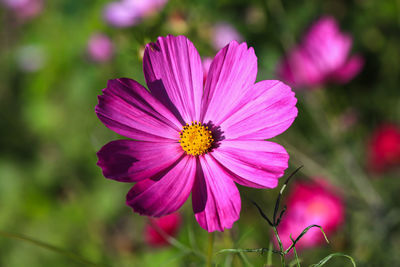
349	70
326	45
174	65
158	197
132	161
215	197
127	108
297	69
232	73
270	110
256	164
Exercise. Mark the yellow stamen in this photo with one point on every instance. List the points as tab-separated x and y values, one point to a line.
195	138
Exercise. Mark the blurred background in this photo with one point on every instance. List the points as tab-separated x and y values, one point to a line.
56	57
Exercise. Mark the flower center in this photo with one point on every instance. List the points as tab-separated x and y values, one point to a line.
195	139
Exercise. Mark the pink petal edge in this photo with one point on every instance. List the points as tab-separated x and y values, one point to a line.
127	108
162	196
232	73
215	197
133	161
173	70
257	164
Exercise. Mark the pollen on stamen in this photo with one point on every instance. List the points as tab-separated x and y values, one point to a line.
195	139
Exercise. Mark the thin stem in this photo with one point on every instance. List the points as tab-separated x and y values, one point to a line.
269	256
238	250
210	249
174	242
356	175
245	259
42	244
278	12
295	253
280	246
296	257
302	234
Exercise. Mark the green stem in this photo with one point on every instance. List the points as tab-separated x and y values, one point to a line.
210	249
295	253
296	257
38	243
280	246
174	242
269	256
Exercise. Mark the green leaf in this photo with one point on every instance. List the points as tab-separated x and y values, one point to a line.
327	258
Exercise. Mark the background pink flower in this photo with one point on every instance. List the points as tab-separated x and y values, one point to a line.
322	56
168	224
24	9
223	34
311	203
384	148
195	140
125	13
100	48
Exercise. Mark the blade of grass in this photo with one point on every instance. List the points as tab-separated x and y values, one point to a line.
45	245
330	256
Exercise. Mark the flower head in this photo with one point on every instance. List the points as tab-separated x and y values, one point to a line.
100	48
384	148
308	204
193	138
158	228
322	56
125	13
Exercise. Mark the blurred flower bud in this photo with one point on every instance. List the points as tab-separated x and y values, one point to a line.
24	9
30	58
223	33
384	148
158	228
126	13
177	23
100	48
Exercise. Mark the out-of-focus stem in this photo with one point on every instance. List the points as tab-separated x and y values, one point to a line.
174	242
269	256
210	249
279	14
356	175
280	246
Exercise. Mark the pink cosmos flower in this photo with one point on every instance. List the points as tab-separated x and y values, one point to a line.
24	9
168	224
308	204
384	148
321	57
100	48
223	34
125	13
192	138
